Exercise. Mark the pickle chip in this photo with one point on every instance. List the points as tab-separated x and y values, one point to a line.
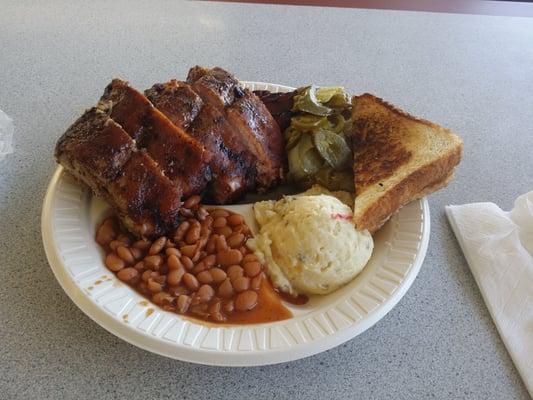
333	96
304	159
332	148
315	140
292	136
309	122
336	123
306	101
309	156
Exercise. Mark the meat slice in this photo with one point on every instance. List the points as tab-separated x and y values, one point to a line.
248	118
152	201
262	135
215	86
183	159
98	152
279	105
232	165
94	149
177	101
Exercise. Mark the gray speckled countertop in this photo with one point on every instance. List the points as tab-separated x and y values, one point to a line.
473	74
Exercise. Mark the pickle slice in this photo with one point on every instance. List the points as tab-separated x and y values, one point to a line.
333	149
336	123
292	136
304	159
309	122
325	93
309	156
341	101
306	101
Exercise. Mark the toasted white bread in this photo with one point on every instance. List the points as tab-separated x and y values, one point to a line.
397	158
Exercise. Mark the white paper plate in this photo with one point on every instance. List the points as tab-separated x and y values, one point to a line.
69	217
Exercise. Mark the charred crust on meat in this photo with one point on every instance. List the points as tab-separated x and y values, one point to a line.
97	151
182	158
143	152
238	92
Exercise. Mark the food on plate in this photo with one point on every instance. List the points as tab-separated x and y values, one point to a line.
202	270
321	101
181	158
315	141
248	117
209	139
97	151
213	137
232	165
279	105
309	243
397	159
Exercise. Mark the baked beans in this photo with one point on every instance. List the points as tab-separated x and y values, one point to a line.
157	246
192	202
224	230
125	253
252	268
142	244
202	269
127	274
235	240
114	262
246	300
205	277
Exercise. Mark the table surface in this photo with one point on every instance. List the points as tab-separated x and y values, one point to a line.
473	74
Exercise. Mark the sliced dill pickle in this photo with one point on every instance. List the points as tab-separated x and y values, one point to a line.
325	93
336	123
306	101
347	128
309	122
296	171
304	159
332	148
309	156
322	176
339	101
292	136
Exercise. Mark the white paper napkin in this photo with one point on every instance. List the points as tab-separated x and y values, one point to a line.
498	246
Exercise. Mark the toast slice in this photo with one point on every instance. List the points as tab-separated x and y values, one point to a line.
398	158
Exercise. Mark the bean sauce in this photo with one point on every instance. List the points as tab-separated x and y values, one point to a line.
202	270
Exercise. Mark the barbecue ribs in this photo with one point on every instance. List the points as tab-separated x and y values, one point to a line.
248	117
98	152
183	159
232	165
144	152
